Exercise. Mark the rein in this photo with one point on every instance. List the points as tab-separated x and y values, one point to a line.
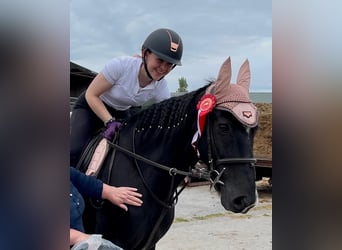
171	171
196	173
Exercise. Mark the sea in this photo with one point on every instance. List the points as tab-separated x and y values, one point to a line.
265	97
257	97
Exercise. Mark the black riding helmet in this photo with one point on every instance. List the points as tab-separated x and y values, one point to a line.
166	44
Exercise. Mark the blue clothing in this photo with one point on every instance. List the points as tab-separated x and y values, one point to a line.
81	186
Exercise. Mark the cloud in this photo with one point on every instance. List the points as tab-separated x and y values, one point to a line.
211	31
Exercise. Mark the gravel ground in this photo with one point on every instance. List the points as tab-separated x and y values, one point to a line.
202	223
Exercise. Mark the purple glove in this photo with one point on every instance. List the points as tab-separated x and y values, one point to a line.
111	128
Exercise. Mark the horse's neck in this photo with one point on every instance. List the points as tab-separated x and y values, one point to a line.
170	143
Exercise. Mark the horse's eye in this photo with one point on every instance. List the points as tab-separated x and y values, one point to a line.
224	128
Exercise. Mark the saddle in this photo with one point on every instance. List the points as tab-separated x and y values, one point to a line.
94	155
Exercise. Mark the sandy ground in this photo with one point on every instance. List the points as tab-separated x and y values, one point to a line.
202	223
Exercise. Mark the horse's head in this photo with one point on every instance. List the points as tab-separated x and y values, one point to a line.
227	121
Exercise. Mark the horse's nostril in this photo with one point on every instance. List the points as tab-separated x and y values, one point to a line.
242	204
240	201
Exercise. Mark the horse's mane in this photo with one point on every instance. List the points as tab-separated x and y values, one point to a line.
168	112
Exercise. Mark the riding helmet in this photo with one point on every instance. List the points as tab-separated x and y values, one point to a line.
166	44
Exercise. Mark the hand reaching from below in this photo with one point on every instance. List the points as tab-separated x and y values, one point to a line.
122	196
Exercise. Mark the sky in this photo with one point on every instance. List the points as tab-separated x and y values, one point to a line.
211	31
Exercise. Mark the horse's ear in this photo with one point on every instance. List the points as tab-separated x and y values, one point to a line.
225	73
244	76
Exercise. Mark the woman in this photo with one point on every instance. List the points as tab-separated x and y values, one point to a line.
82	186
124	83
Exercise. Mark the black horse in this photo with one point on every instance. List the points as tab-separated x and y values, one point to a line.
160	145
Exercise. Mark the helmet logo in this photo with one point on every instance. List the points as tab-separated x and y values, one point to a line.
173	46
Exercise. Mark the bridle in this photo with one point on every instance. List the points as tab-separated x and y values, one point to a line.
217	162
192	173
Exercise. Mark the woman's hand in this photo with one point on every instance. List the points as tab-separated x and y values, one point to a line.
121	196
77	236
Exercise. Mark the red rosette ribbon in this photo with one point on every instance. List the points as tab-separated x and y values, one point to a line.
205	105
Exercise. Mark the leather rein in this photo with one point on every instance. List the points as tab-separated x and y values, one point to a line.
195	173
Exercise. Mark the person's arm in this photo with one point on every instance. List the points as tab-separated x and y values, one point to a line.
90	186
96	88
121	196
77	236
